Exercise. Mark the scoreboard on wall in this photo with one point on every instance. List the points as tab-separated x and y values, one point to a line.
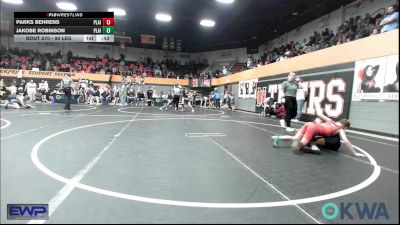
63	26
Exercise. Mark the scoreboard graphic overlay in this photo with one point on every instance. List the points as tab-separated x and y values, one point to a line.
63	27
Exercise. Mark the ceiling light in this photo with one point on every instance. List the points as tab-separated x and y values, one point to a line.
117	12
207	23
66	6
226	1
163	17
17	2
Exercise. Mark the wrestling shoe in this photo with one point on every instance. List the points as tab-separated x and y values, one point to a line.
276	140
289	129
315	150
283	123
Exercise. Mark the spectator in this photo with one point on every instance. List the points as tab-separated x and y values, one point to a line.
233	99
267	107
13	90
280	111
224	71
96	95
390	21
42	90
375	31
31	90
131	96
2	88
105	96
217	99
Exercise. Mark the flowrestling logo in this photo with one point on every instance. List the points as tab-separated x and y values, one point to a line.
355	210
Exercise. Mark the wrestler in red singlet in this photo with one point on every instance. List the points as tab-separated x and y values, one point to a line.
310	130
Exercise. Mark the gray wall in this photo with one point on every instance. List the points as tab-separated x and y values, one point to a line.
221	89
375	116
247	104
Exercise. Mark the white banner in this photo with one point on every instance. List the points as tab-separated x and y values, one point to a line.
248	88
376	79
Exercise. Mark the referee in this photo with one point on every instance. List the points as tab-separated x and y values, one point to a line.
177	93
66	84
289	89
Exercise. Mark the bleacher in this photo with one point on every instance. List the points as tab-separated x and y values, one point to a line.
237	67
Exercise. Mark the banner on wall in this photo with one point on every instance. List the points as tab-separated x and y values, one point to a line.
228	88
147	39
261	96
195	82
248	88
179	45
329	93
172	44
199	83
207	83
376	79
77	76
165	43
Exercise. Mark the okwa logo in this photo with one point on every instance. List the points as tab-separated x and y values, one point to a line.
355	210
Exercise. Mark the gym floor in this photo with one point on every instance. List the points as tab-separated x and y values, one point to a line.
105	164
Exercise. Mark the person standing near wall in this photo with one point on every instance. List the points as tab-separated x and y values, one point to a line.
150	96
31	90
217	99
289	89
301	95
233	99
391	20
66	84
123	93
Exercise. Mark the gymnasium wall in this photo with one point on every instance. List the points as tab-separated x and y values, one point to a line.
333	77
239	54
246	104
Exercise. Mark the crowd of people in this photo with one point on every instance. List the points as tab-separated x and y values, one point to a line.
128	92
352	29
14	58
20	86
183	97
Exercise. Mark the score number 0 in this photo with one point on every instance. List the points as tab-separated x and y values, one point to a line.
108	21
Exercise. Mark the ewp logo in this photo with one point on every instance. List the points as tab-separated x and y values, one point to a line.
27	211
364	210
